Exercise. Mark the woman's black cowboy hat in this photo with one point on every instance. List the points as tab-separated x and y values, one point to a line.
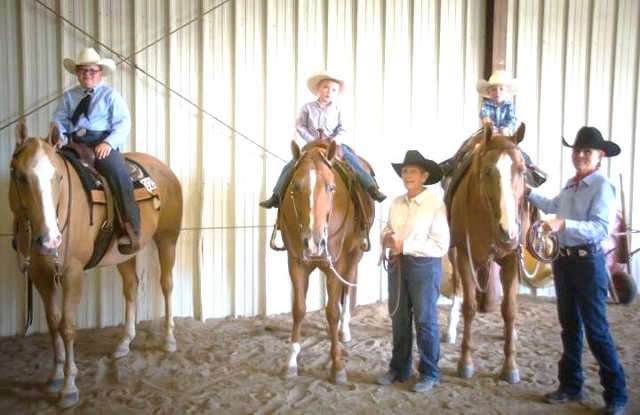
414	158
590	137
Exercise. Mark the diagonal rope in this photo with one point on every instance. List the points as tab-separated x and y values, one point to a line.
127	60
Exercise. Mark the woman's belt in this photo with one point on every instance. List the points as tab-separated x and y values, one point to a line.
581	251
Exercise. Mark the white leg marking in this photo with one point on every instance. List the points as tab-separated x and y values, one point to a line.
345	318
454	317
292	365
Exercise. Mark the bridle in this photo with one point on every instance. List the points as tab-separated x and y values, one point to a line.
327	260
499	245
58	259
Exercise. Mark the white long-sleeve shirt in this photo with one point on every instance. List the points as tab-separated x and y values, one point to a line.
421	223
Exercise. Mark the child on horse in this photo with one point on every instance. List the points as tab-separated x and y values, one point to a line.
93	113
322	119
499	112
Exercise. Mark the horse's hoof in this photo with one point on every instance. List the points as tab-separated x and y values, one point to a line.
170	346
53	387
340	377
465	372
68	400
121	351
292	371
512	377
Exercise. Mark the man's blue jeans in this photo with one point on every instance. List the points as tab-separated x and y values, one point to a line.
419	286
581	290
350	157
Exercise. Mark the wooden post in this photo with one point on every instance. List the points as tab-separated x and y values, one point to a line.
496	36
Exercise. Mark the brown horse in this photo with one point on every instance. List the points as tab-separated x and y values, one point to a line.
48	195
317	218
486	219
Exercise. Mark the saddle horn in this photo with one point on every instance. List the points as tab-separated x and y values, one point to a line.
295	150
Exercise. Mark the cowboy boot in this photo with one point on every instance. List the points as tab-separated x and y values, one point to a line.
273	201
376	194
130	241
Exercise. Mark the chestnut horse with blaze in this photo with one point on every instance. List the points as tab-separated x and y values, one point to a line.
488	218
47	194
319	222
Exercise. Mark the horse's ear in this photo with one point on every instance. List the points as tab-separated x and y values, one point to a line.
295	150
332	150
21	133
519	134
54	134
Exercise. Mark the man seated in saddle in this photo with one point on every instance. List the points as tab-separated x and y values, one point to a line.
417	234
322	119
497	111
93	113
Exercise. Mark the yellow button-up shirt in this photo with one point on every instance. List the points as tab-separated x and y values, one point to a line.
421	223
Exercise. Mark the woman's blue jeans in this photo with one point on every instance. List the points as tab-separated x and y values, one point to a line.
581	290
419	286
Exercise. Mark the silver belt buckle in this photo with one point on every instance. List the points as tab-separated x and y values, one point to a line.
582	252
81	132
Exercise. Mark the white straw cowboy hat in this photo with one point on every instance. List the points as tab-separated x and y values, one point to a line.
314	81
89	56
497	78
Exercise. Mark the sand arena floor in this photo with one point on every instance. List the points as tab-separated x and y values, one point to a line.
235	366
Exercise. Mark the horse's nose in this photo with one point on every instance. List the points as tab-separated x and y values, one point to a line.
305	241
49	243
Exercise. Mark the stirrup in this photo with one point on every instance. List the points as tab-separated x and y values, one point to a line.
134	242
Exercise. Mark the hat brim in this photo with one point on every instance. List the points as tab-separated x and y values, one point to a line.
108	65
430	166
483	87
610	148
312	82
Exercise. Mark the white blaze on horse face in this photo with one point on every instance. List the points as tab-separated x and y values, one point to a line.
313	178
45	172
508	212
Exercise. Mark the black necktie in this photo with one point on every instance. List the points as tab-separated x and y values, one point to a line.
83	107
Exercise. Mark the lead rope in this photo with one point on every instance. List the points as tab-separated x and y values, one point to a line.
394	261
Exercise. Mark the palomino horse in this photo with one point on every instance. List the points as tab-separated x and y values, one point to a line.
486	213
317	218
48	195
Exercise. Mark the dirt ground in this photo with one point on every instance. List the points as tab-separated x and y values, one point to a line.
236	365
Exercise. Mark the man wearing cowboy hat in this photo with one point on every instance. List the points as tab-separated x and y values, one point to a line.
322	119
584	210
95	114
417	234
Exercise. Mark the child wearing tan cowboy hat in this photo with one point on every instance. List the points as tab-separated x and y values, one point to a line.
497	107
95	114
499	112
322	118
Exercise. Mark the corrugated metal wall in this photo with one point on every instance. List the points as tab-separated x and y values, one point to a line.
578	63
410	68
